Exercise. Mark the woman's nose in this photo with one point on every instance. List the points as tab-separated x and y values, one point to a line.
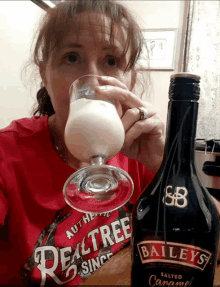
93	68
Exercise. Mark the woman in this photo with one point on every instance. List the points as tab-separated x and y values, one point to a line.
43	241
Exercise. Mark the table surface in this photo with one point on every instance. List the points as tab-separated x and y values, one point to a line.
116	271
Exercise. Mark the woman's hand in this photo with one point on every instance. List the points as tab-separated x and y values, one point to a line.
144	139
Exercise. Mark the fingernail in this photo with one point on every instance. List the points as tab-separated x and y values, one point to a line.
102	87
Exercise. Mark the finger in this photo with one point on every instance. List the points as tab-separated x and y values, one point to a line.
133	115
125	97
104	80
150	126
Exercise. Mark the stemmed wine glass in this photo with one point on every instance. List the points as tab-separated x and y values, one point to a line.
94	133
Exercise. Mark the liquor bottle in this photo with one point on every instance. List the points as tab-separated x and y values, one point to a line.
175	223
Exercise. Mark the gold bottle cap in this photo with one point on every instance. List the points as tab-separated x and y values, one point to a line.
185	75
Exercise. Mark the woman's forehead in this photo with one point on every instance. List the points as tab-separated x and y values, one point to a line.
97	28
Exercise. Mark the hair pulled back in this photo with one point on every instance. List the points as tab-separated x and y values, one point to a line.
55	24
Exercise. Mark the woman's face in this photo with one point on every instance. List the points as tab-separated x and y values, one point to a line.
82	55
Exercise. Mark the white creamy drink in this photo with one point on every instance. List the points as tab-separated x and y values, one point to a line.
93	128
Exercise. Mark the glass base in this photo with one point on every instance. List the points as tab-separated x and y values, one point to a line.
98	189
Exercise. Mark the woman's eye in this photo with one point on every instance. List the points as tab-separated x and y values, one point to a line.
71	58
112	61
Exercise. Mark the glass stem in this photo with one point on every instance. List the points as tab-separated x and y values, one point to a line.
97	160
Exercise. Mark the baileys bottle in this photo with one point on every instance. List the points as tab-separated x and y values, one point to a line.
175	223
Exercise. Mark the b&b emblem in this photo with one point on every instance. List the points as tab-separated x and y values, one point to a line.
178	198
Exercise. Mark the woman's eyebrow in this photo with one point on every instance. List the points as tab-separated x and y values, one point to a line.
111	47
71	45
105	47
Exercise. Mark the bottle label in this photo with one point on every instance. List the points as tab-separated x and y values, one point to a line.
178	198
176	253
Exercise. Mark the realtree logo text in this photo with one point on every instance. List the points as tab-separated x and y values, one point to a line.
49	259
69	268
169	252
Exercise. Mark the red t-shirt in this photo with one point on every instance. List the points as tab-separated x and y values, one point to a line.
42	240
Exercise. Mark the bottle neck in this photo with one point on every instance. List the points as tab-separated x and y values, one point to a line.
181	130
